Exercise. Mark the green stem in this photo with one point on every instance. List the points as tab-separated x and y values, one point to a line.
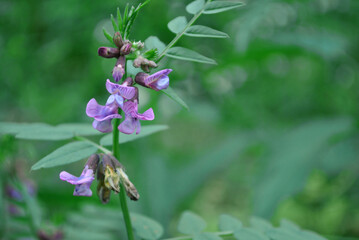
180	34
220	234
123	200
103	149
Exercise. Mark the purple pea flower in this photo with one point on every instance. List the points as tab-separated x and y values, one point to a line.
102	115
119	92
132	117
83	182
157	81
119	69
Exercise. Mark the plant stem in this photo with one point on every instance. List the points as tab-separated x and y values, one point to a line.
103	149
123	200
180	34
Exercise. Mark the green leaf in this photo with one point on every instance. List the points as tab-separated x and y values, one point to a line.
14	128
188	55
229	223
195	6
145	131
203	31
221	6
206	236
178	24
311	235
173	95
250	234
153	42
260	224
284	234
44	132
79	129
119	20
151	54
190	223
68	153
107	35
284	223
114	24
146	228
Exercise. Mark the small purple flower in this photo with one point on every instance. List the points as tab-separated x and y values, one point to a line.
83	182
119	92
102	115
119	69
157	81
132	118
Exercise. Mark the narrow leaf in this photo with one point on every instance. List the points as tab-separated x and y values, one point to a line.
68	153
107	35
190	223
188	55
114	24
119	20
203	31
44	132
146	228
79	129
221	6
154	42
173	95
125	15
178	24
145	131
195	6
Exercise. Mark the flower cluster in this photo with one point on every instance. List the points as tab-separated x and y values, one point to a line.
124	96
110	173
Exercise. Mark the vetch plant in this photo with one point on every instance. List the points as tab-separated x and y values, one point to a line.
120	117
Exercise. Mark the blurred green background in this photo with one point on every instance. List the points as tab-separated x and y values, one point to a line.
272	130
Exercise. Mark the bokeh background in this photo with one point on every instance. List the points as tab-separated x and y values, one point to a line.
272	130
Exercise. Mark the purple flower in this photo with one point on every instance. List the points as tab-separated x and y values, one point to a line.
157	81
132	118
119	92
83	182
102	115
117	72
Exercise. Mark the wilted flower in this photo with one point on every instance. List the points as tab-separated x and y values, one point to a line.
157	81
144	63
132	117
83	182
102	115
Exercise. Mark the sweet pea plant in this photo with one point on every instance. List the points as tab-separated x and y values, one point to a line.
136	66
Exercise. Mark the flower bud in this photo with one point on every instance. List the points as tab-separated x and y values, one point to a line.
108	52
140	78
144	63
128	82
119	69
117	39
138	45
126	48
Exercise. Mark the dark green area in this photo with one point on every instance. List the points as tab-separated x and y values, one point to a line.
271	131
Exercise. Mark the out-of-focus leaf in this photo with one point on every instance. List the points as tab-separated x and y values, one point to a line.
284	223
221	6
191	223
68	153
206	236
178	24
79	129
73	233
260	224
309	235
146	228
203	31
145	131
14	128
188	55
32	206
228	223
284	234
249	234
173	95
44	132
195	6
154	42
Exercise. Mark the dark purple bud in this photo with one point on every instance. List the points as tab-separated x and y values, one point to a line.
140	78
126	48
128	82
92	162
108	52
117	39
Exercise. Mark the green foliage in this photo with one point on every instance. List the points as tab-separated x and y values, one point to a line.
173	95
68	153
195	6
145	131
178	24
146	228
151	54
190	223
153	42
188	55
228	223
203	31
221	6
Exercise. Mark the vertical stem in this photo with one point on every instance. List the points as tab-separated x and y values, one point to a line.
123	200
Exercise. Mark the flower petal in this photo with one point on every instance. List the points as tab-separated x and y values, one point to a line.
124	91
157	75
119	100
160	84
93	108
65	176
103	126
128	126
83	190
148	115
111	99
